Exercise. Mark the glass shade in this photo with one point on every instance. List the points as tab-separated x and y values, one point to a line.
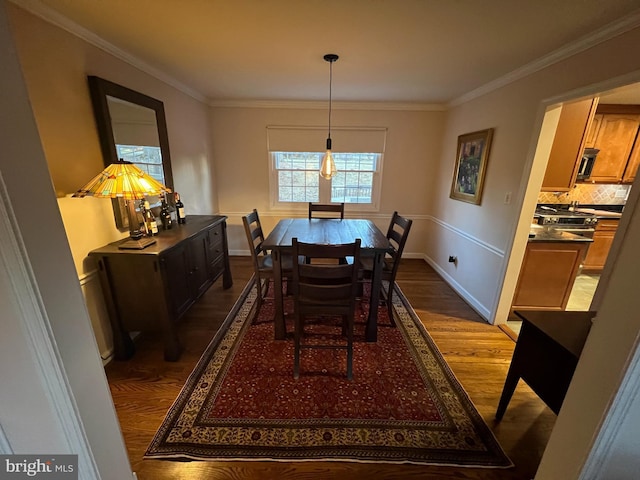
122	180
328	166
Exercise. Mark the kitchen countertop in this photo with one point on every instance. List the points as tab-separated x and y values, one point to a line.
538	233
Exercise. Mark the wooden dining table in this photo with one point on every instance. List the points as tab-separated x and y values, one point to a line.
327	231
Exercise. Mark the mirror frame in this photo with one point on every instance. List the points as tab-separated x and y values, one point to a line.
100	89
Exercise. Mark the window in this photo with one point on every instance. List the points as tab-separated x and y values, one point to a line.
294	165
297	178
148	159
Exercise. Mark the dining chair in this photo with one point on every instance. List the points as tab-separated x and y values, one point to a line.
262	260
326	210
324	291
397	234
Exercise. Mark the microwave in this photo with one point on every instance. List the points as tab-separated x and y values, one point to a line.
586	163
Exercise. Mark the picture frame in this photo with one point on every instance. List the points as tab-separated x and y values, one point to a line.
471	165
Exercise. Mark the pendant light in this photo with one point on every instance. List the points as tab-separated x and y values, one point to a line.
328	166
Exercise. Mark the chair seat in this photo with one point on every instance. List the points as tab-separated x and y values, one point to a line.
366	265
265	263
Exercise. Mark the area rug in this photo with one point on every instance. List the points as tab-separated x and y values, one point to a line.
404	405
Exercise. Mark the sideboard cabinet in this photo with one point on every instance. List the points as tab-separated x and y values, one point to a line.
152	288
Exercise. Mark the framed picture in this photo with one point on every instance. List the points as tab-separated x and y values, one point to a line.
471	164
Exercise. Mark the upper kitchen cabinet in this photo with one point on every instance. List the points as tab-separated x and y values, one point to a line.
614	132
568	144
633	163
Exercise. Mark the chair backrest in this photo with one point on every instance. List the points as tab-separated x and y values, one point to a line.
326	210
325	286
397	234
255	236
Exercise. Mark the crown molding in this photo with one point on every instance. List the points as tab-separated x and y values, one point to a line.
322	105
609	31
49	15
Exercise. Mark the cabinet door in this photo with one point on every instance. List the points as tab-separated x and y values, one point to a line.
632	165
199	277
547	275
590	141
177	280
568	144
599	249
615	139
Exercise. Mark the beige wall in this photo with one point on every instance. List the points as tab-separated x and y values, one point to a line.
411	155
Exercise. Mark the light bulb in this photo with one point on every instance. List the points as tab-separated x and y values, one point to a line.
328	167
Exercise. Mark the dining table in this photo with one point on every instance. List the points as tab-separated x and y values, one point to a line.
328	231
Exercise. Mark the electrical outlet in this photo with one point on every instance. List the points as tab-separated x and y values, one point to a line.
507	198
621	193
453	259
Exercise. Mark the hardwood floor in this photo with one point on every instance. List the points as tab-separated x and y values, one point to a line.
144	388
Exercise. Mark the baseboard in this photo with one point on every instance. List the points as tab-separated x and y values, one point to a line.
469	299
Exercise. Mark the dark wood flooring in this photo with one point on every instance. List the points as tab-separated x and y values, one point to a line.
144	388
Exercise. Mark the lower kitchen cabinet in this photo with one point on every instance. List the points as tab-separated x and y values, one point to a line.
599	249
150	289
547	275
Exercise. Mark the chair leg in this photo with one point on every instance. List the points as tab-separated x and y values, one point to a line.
390	304
259	289
296	346
350	347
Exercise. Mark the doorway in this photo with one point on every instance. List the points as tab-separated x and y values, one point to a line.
610	197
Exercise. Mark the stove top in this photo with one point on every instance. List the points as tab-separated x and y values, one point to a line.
553	212
546	215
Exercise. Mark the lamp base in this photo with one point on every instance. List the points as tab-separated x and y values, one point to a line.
139	244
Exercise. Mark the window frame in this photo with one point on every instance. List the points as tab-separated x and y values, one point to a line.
325	189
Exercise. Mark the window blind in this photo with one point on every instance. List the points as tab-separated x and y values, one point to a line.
313	139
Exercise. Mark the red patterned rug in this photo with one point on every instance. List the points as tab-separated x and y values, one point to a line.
404	404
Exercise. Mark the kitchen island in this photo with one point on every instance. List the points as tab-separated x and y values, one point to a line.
551	263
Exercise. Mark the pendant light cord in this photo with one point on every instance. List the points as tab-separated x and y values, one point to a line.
330	83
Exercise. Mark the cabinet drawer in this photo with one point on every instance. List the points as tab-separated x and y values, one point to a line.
217	267
607	225
215	238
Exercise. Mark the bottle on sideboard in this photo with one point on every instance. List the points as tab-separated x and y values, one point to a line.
143	226
165	216
180	215
150	220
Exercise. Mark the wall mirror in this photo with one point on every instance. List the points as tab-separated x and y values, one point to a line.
131	126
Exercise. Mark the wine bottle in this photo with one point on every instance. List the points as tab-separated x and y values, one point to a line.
180	215
150	220
165	216
143	226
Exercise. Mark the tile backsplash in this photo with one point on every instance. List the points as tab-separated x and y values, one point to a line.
589	194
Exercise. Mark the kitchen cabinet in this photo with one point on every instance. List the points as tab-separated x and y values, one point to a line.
599	249
568	145
633	163
151	289
547	275
614	135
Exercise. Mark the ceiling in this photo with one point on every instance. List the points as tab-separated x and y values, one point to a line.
418	51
